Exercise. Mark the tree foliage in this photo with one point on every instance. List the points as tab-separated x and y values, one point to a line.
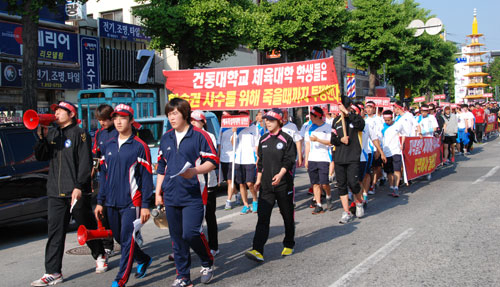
198	31
377	34
493	78
298	27
426	62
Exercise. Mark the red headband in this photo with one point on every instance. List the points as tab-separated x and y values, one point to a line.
316	113
356	108
398	106
424	109
274	115
388	116
370	105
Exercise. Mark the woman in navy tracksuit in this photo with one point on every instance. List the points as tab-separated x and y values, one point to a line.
125	188
185	195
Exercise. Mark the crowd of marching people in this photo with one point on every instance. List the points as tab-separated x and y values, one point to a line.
359	149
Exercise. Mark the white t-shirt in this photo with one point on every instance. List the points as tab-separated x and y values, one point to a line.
371	132
291	129
461	120
120	142
409	124
226	148
319	152
391	134
329	121
470	117
248	140
179	136
427	125
303	129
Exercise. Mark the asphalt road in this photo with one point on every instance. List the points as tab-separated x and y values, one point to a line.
443	232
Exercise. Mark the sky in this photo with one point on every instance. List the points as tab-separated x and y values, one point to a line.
457	16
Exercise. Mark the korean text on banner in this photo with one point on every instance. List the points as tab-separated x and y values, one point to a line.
421	155
419	99
491	124
235	121
257	87
384	102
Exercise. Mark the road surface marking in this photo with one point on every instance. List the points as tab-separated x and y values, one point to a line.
490	173
373	259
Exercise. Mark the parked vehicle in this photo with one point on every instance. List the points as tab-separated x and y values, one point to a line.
23	179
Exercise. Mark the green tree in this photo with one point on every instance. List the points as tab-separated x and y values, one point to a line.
298	27
493	79
377	34
29	11
427	61
198	31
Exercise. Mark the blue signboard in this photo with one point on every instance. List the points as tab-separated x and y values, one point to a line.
48	77
52	45
120	31
89	62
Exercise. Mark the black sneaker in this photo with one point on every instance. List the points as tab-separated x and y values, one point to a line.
313	203
329	203
318	210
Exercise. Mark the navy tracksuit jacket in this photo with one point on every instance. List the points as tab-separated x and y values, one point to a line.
185	199
126	186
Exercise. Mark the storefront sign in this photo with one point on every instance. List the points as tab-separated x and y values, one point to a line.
257	87
121	31
89	63
52	45
48	77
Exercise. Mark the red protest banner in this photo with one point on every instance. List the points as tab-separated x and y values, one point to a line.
439	97
334	109
419	99
235	121
257	87
491	123
421	155
380	101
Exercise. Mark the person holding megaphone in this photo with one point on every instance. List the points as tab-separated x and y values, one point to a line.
67	147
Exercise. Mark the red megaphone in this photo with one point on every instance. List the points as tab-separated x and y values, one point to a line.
32	119
84	235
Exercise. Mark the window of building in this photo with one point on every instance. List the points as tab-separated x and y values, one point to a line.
116	15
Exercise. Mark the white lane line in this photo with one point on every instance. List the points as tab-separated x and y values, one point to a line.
490	173
226	217
373	259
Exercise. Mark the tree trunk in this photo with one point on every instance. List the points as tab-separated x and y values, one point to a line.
372	81
402	93
30	56
184	58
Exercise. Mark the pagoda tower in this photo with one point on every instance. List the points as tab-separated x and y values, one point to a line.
475	87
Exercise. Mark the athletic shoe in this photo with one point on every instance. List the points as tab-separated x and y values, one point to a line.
371	191
207	273
286	251
329	203
346	217
360	211
245	210
238	200
214	252
313	203
109	252
395	192
446	162
255	205
254	255
171	257
453	160
142	268
228	205
48	280
459	153
429	177
115	284
352	208
101	264
182	283
318	210
310	191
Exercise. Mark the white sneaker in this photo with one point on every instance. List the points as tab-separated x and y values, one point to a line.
214	252
101	264
48	280
360	211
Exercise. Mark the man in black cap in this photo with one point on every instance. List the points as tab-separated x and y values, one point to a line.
68	189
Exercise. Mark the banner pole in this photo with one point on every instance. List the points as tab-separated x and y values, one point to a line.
234	159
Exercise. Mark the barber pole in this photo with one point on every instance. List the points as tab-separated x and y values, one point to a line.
351	85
